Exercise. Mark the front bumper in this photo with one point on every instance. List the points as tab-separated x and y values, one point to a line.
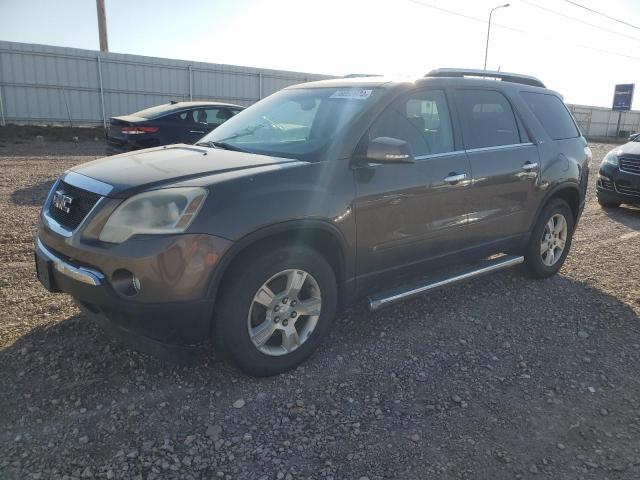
616	185
147	326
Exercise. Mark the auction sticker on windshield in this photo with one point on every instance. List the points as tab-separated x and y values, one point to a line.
352	93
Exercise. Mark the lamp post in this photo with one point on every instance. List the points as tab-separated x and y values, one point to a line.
486	50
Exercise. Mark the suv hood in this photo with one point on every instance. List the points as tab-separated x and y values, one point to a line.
631	148
132	172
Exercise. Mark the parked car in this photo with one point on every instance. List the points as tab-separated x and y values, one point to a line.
619	176
633	137
175	122
315	196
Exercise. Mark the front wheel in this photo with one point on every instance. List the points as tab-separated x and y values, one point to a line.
274	309
550	240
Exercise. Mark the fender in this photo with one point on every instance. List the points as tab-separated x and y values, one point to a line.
346	256
566	185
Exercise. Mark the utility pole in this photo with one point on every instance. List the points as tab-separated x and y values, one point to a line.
102	26
486	49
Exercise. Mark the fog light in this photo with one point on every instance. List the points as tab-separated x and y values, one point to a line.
125	282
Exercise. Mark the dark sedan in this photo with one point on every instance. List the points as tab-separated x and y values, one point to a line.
176	122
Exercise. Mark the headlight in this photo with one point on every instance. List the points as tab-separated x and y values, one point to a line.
169	210
611	158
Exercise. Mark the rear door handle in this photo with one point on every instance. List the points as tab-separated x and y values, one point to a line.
527	167
453	179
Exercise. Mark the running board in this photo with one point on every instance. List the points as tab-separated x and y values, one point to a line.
384	299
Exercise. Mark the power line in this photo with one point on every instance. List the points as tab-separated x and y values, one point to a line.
526	32
445	10
602	14
531	4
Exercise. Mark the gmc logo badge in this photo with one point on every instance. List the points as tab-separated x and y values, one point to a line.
62	202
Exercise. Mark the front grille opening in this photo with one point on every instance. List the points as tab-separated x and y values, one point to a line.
627	189
605	183
630	165
81	204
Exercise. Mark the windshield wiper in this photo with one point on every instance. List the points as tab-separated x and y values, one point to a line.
222	145
205	144
244	132
227	146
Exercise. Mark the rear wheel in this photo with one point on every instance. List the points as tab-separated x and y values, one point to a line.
274	310
550	240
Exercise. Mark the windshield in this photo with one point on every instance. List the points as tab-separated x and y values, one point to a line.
297	123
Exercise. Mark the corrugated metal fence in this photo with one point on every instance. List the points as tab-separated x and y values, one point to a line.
41	84
604	122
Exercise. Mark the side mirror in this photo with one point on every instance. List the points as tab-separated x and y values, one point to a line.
389	150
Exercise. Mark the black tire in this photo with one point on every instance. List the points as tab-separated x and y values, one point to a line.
230	334
534	266
608	203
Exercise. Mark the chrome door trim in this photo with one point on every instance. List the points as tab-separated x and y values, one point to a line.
500	147
438	155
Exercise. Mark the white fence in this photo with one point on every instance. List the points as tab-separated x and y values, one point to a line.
604	122
41	84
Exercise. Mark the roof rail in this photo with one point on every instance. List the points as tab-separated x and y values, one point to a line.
469	72
360	75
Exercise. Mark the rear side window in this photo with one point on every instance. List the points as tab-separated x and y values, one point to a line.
487	119
212	117
552	114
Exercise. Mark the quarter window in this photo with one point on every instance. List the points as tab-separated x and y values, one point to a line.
487	119
422	120
552	114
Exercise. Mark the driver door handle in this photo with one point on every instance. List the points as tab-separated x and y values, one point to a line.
527	167
196	131
453	179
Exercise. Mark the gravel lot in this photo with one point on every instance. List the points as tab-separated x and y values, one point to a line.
502	377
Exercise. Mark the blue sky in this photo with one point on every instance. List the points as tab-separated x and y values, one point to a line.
397	37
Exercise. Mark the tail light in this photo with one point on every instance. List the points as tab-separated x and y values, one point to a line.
133	130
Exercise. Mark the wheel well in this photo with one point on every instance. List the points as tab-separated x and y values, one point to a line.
319	239
569	195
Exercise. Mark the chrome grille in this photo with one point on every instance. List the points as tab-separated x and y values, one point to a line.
82	203
630	165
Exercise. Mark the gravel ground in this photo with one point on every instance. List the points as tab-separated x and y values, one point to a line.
498	378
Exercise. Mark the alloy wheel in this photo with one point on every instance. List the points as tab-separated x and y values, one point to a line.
554	239
284	312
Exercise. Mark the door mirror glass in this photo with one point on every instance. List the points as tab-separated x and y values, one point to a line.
389	150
